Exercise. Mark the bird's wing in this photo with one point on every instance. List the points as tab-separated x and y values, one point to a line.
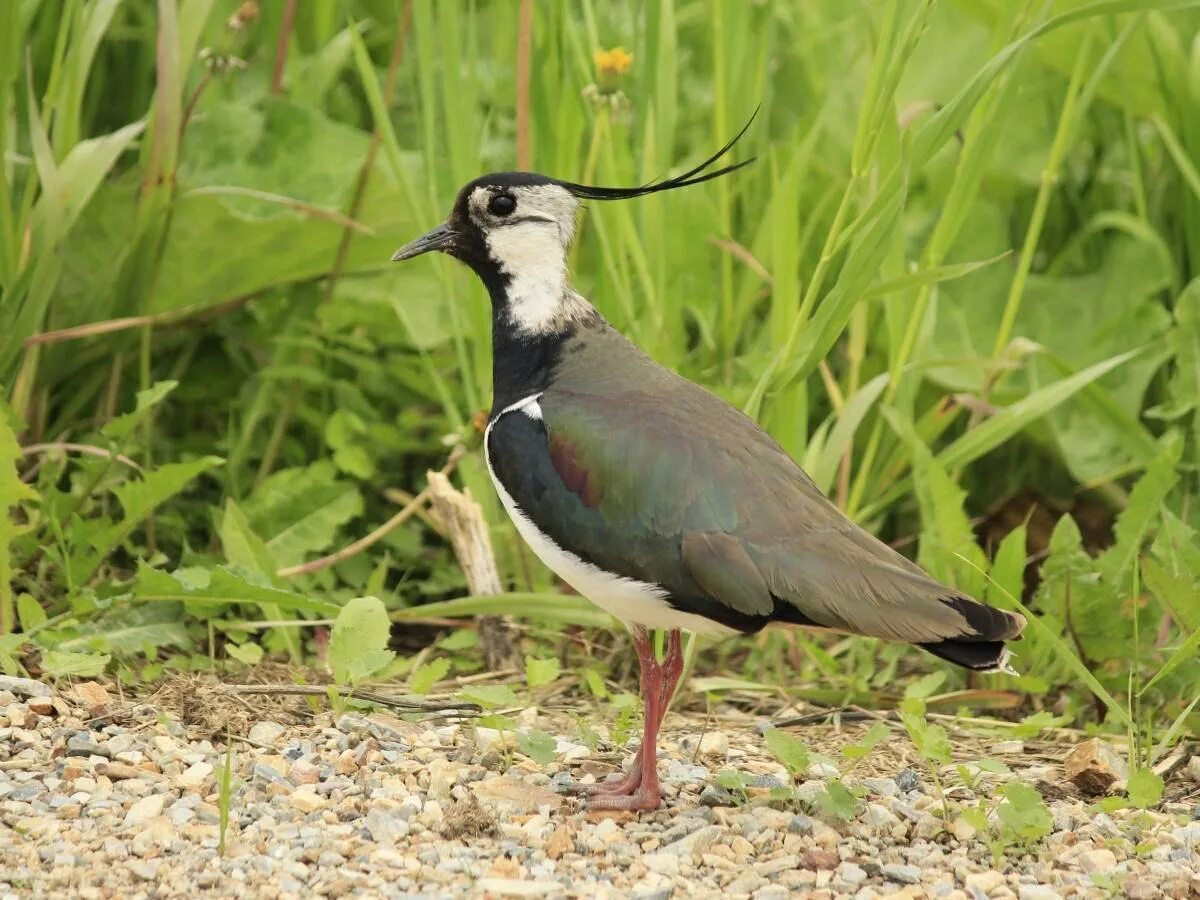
674	487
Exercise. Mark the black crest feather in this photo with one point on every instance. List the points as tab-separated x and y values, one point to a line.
691	176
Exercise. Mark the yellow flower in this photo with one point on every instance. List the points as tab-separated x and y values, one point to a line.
610	66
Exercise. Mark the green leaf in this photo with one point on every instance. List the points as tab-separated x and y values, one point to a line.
539	672
139	498
463	639
426	675
1024	813
129	631
60	663
1008	568
358	647
1145	788
837	801
13	491
876	735
30	613
925	686
788	750
1035	723
122	426
246	550
1143	510
302	510
243	547
595	683
221	587
249	653
997	429
537	745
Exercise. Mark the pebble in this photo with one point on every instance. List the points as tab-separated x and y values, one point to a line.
25	687
81	744
364	805
144	810
266	732
1099	860
984	882
195	776
901	873
1039	892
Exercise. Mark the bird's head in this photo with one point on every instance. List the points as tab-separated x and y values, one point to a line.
511	223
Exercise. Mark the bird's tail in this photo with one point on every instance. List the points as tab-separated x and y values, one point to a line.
984	650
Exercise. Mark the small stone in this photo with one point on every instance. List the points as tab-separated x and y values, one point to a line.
900	873
815	858
823	770
43	706
144	810
908	780
159	833
662	863
1138	888
800	825
513	887
561	842
712	743
91	695
1037	892
515	794
81	744
1192	769
851	873
25	687
386	826
1010	748
195	776
1094	767
1098	860
266	733
880	817
304	772
964	832
881	787
147	870
118	771
346	764
985	882
712	795
306	800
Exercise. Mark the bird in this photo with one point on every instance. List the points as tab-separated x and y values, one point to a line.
652	497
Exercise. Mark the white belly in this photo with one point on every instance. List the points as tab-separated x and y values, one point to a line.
633	602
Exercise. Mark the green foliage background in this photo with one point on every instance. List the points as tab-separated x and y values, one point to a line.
960	285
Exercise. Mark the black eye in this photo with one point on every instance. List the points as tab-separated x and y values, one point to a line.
502	204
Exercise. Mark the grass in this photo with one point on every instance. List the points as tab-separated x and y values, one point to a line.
959	285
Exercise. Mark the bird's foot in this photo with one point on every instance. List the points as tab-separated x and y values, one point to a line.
619	788
640	799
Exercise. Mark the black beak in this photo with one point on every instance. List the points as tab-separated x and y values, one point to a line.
440	238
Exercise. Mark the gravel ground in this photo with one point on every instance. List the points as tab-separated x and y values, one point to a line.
103	799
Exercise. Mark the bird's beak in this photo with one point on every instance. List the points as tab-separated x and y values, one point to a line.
440	238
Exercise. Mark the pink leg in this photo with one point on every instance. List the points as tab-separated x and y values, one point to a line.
658	685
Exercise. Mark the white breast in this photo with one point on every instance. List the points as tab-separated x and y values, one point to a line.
633	602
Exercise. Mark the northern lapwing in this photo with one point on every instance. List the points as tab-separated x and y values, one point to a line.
650	496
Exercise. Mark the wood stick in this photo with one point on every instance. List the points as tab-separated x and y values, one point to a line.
318	690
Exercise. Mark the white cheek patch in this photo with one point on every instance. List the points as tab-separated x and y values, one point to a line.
534	257
533	254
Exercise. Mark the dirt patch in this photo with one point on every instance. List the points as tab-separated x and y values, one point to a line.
209	708
467	819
